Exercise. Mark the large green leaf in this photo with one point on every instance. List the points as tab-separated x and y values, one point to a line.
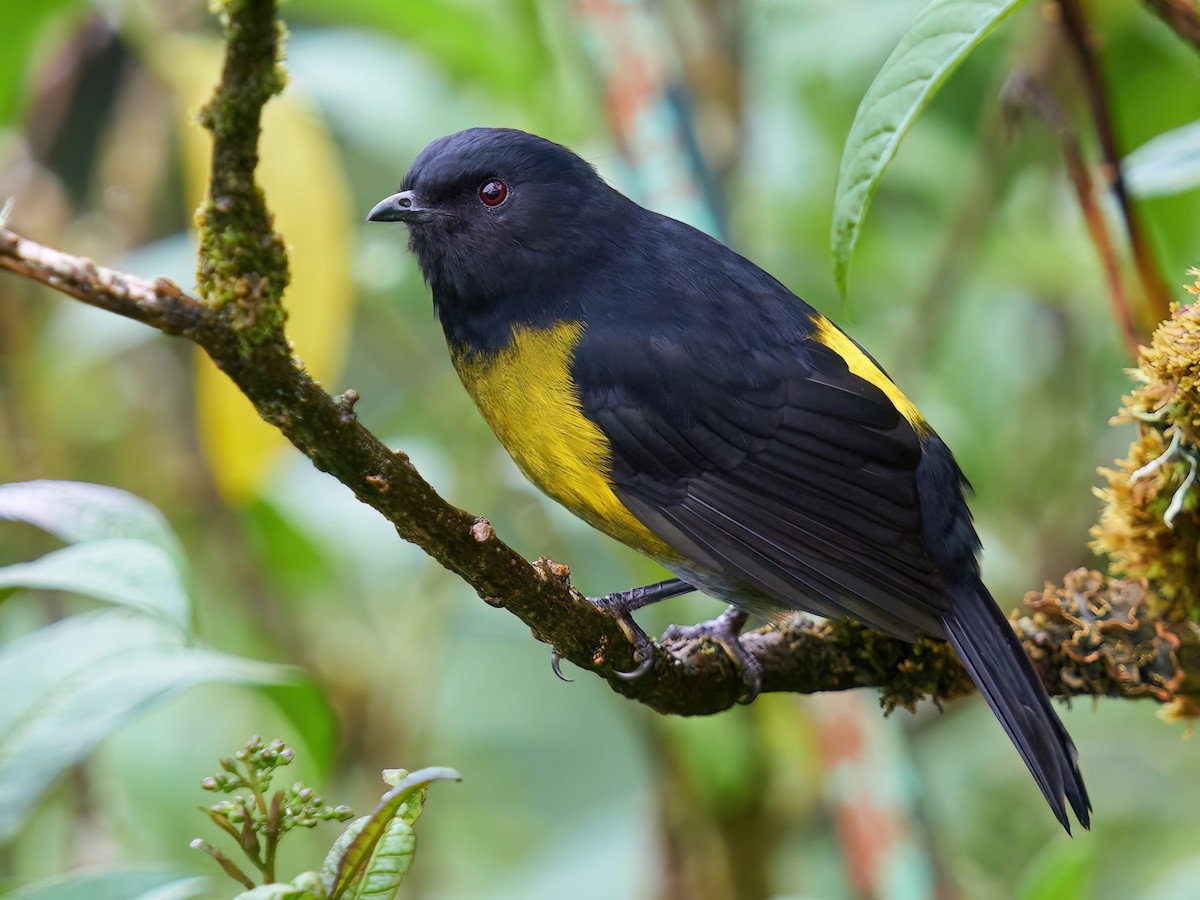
71	684
125	571
117	884
37	663
1166	164
76	512
944	33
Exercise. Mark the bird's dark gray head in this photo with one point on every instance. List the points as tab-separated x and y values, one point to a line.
487	207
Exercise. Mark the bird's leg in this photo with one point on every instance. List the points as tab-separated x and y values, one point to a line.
621	606
725	630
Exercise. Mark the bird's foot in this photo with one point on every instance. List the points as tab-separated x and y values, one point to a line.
621	606
725	630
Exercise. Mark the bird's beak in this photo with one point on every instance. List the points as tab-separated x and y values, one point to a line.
401	207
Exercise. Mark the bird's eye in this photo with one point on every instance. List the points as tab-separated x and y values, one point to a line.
493	192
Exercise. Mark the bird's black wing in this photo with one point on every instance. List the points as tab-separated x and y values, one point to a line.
763	460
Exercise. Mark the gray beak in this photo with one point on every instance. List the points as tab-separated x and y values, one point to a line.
401	207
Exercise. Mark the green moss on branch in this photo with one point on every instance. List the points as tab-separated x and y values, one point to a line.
243	267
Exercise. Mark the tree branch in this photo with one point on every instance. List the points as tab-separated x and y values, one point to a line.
1090	637
1084	641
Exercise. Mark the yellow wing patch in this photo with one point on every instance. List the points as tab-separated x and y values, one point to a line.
525	393
861	365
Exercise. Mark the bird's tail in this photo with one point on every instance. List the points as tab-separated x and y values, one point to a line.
997	663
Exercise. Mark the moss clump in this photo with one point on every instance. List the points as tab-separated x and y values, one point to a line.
1149	526
906	673
243	267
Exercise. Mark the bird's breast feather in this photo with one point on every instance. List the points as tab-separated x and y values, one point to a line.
525	392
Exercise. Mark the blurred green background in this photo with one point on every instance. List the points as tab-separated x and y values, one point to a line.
975	285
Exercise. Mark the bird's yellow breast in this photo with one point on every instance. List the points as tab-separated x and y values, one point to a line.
525	393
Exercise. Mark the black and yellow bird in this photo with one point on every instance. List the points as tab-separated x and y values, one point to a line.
680	399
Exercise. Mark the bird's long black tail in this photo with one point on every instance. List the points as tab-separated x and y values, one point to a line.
997	663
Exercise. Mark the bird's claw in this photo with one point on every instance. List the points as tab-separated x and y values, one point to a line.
556	665
620	607
725	630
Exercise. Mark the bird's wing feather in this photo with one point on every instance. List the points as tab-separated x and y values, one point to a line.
774	467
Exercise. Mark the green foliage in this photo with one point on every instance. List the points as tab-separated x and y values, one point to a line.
1065	871
373	856
452	32
24	25
83	676
940	39
86	513
367	862
126	884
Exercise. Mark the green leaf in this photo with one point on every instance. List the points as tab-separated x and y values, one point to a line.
351	857
306	886
1166	164
336	857
23	25
80	680
119	884
391	861
394	854
69	649
125	571
944	33
451	33
1064	871
76	512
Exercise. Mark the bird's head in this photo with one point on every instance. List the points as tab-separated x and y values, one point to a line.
488	206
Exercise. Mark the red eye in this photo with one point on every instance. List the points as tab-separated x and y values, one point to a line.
493	192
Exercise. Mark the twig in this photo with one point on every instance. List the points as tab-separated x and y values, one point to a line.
1023	91
159	303
1180	16
225	862
1082	43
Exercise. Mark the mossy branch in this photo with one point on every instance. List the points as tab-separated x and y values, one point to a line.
243	267
1092	637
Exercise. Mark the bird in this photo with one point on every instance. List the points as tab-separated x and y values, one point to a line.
679	398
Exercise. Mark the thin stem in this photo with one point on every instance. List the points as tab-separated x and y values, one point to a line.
1024	91
1083	44
225	863
272	838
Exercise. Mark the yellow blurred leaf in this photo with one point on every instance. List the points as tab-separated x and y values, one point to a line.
301	172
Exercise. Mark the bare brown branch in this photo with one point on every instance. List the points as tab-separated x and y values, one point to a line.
1180	16
1083	44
